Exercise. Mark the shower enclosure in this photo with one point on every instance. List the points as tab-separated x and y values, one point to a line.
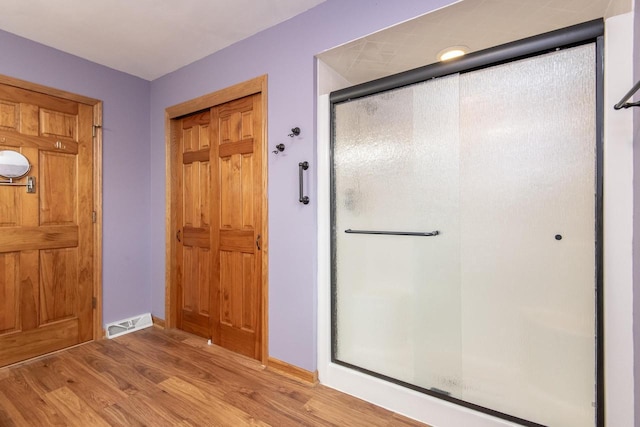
465	236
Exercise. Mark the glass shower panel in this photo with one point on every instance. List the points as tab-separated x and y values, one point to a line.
498	309
397	298
527	237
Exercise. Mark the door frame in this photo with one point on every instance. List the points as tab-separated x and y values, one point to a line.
98	330
172	116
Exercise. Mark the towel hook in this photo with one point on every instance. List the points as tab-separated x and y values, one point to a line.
280	147
294	132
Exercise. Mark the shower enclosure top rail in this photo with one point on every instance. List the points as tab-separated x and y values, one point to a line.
394	233
623	102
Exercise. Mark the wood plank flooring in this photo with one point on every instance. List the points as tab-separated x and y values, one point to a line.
158	377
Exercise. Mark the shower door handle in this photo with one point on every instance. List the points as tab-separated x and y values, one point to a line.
302	166
394	233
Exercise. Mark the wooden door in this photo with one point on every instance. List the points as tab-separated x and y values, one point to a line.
216	217
46	237
236	224
194	220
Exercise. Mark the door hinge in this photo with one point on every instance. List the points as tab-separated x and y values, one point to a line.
94	216
94	302
95	129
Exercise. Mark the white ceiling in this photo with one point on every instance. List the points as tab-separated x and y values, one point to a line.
150	38
477	24
146	38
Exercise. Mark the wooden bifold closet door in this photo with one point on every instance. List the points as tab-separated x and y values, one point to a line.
219	218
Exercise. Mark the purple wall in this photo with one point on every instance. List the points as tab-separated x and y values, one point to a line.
133	245
134	157
126	243
636	213
286	53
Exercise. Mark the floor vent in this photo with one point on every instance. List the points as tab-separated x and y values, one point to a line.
131	324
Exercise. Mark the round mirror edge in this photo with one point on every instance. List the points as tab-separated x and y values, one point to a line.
20	162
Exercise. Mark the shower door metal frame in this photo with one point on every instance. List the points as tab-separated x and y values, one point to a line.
588	32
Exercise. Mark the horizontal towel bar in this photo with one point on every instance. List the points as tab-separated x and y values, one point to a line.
394	233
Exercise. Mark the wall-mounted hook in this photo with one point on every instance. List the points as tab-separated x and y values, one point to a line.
279	149
294	132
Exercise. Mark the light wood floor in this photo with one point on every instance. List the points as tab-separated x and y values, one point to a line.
169	378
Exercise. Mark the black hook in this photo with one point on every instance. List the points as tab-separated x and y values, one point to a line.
294	132
279	149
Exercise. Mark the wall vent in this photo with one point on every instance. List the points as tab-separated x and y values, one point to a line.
131	324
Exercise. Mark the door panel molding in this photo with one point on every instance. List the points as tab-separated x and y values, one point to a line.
173	114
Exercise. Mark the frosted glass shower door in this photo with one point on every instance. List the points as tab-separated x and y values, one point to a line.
396	170
528	233
497	309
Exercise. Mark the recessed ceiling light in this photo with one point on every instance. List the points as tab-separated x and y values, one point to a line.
452	52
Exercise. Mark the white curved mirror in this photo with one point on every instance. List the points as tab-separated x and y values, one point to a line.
13	164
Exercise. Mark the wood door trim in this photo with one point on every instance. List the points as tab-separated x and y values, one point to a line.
231	93
98	331
171	203
240	90
34	87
